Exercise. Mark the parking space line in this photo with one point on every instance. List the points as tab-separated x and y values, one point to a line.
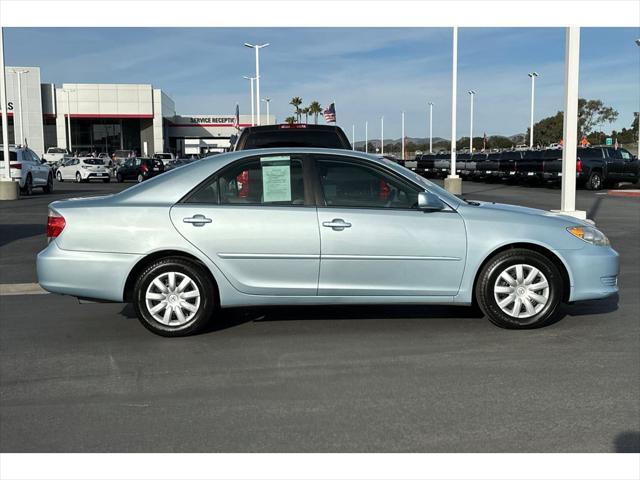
7	289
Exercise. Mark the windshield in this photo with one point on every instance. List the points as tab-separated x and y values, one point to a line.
93	161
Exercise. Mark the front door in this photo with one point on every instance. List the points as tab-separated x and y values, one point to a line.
257	222
375	241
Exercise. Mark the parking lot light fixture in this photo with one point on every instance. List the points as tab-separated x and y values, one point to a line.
353	137
453	183
471	95
253	115
382	135
366	137
4	175
533	76
430	127
402	139
257	77
18	72
68	91
267	100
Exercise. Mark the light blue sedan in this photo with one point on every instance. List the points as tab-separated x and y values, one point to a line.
303	226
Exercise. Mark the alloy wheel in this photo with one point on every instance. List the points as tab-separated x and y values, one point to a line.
172	299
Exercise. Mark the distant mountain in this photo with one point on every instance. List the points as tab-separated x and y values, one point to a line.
517	138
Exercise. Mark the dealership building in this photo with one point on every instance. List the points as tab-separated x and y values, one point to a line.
107	117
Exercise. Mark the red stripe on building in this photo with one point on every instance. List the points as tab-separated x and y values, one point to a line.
209	125
108	115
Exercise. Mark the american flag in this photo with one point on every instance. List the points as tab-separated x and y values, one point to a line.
330	113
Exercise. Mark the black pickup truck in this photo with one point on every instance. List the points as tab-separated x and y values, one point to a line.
292	135
597	167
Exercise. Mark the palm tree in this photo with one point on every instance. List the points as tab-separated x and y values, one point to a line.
314	109
296	102
305	112
290	120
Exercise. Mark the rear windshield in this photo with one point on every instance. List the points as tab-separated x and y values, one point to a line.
163	155
584	153
12	156
93	161
553	153
57	150
495	156
511	156
293	138
533	155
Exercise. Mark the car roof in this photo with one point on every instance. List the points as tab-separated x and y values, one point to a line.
289	127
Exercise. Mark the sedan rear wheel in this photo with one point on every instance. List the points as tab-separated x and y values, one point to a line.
78	177
59	177
28	186
520	288
174	297
140	178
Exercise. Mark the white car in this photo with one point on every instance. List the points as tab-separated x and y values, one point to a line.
26	168
165	157
55	155
83	169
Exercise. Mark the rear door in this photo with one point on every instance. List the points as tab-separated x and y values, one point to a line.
256	220
375	241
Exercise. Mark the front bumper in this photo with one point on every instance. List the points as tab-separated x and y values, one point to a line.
594	272
98	275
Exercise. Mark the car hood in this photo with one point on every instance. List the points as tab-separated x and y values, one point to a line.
504	207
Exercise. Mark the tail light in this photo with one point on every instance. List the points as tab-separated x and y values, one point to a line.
55	225
17	166
144	167
579	166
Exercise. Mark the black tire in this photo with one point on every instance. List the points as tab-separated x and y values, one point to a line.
140	178
48	188
488	277
199	276
119	178
59	177
595	181
28	186
78	177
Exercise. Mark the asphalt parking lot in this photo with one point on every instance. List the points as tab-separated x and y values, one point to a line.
89	378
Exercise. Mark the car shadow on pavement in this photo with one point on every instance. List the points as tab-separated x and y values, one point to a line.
235	316
12	232
592	307
627	442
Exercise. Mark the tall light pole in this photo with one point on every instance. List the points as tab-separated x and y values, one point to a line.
453	183
366	137
5	126
382	135
253	115
267	100
67	91
533	76
353	137
402	139
257	50
570	124
638	44
471	95
18	72
430	127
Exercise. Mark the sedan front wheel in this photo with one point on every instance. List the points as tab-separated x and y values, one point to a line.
519	289
174	297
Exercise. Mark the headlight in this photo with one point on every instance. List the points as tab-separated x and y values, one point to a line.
590	235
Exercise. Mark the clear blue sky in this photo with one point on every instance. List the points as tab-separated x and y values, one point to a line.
369	72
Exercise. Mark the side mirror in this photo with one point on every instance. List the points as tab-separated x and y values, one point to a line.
429	202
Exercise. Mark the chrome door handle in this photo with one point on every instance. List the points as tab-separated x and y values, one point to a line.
197	220
337	224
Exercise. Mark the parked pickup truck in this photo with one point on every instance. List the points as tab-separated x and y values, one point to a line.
597	167
292	135
54	155
530	167
425	164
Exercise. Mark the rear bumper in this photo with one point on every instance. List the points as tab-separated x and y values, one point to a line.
594	272
96	275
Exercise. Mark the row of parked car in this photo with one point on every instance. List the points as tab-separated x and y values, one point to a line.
596	167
